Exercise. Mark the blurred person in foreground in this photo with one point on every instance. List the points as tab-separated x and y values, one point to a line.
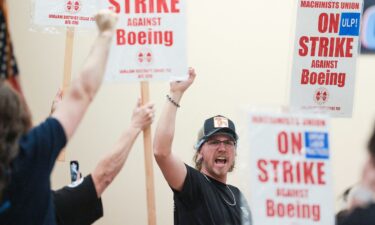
361	199
28	154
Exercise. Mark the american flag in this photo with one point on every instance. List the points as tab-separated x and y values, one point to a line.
8	65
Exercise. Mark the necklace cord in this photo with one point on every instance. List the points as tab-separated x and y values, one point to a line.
226	201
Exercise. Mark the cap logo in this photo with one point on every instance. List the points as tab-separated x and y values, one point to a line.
221	122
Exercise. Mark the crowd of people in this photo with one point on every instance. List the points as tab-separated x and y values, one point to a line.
201	194
28	154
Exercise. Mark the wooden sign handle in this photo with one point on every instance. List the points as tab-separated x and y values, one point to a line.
147	142
67	71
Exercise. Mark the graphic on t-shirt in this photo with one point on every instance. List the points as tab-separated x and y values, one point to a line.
74	171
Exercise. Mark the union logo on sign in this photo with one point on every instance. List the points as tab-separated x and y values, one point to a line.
321	96
73	6
145	57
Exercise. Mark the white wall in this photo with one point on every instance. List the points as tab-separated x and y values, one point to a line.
241	52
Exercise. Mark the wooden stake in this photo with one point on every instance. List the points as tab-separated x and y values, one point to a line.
147	142
67	70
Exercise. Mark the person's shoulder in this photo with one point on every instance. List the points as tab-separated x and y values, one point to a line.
360	215
193	176
47	128
191	170
237	192
188	167
49	134
52	123
236	189
368	209
48	124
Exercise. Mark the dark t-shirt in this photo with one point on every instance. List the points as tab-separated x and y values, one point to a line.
78	204
204	200
359	216
29	191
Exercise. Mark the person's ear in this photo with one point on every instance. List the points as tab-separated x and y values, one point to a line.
199	157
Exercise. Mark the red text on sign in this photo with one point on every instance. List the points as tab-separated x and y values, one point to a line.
292	193
149	37
293	210
324	63
142	21
289	142
328	23
323	78
146	6
326	47
305	172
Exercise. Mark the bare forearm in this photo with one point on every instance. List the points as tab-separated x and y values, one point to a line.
94	68
84	87
172	167
164	133
108	168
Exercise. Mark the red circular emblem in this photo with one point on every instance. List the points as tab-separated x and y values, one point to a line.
73	6
77	6
321	96
140	57
69	5
145	57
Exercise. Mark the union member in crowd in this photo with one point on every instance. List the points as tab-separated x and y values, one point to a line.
361	199
27	155
201	195
80	203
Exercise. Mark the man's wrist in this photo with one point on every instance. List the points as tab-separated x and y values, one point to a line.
176	95
173	101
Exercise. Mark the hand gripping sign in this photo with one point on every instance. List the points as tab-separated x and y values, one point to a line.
325	52
291	180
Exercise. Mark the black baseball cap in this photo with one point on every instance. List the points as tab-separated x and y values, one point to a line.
215	125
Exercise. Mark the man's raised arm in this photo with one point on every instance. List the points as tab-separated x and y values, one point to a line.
172	167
